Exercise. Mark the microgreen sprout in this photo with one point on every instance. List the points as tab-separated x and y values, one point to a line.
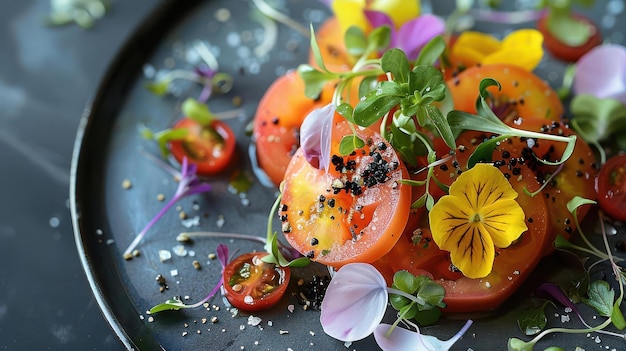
177	304
600	295
82	12
188	184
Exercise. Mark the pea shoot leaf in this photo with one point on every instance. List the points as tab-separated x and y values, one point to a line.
396	62
350	143
532	320
377	103
431	52
356	41
600	297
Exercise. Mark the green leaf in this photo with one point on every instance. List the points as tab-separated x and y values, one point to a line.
377	103
396	62
299	262
484	151
405	281
367	84
355	40
600	297
315	50
576	202
515	344
158	88
409	311
314	80
350	143
567	29
197	111
168	305
379	39
460	120
597	119
431	51
441	124
167	135
432	293
617	318
532	320
428	317
346	111
398	301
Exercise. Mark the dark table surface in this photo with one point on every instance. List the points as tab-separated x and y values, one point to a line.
47	76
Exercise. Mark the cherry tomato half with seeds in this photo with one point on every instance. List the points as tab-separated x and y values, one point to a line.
522	93
253	285
612	187
355	211
211	148
562	50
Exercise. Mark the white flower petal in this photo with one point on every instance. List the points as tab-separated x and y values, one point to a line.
402	339
315	134
354	303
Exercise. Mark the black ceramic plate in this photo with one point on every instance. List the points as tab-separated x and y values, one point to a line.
110	149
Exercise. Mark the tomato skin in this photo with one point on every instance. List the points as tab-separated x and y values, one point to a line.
249	298
611	187
325	220
523	94
211	148
563	51
276	129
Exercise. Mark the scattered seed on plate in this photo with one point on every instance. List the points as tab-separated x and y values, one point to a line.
160	197
196	265
212	256
214	320
126	184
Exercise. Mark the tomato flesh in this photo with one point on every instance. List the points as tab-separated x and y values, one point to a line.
211	148
522	93
612	187
276	130
252	285
355	212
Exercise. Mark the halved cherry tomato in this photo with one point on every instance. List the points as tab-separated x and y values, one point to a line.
355	211
252	285
211	148
523	94
563	51
612	187
277	122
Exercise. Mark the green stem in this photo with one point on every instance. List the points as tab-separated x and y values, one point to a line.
408	296
268	239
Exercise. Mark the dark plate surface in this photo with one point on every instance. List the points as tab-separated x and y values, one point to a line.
110	149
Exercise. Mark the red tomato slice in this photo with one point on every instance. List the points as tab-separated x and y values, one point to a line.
277	123
211	148
356	211
252	285
523	94
563	51
612	187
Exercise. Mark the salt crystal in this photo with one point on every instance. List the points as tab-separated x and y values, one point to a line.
174	272
164	255
290	308
180	250
191	222
254	320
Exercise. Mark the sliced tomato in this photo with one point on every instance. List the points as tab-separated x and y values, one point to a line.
563	51
523	94
211	148
252	285
277	122
612	187
354	212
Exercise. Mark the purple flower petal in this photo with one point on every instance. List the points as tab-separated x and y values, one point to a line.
315	134
414	34
379	19
222	254
602	73
355	302
402	339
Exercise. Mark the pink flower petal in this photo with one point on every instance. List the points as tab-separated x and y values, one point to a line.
355	302
416	33
602	73
315	135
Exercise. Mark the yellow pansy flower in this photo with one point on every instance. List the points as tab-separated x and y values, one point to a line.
479	213
351	12
523	47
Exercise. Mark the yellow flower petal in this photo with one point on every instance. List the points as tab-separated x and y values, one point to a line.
479	212
470	48
350	13
522	48
400	11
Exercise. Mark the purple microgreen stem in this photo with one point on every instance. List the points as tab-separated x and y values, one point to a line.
188	184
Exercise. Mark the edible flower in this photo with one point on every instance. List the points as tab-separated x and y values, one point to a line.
315	134
188	184
403	339
354	303
522	47
352	12
479	212
602	73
